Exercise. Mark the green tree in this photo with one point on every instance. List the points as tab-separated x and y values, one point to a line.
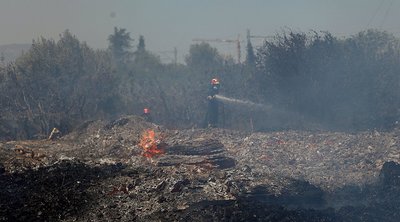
144	59
2	58
204	58
57	84
347	84
141	45
250	56
120	44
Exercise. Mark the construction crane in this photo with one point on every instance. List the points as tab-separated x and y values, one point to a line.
236	41
257	36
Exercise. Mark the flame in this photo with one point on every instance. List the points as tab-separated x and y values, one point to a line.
150	144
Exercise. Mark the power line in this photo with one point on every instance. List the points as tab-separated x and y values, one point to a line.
376	12
386	13
166	55
235	41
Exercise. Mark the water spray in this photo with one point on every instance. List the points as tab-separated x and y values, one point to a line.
267	116
243	102
276	116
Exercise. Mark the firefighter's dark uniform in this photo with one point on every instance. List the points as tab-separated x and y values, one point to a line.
212	111
146	115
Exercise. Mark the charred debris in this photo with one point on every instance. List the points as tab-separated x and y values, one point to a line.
133	170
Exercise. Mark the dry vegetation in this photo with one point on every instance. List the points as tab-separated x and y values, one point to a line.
98	172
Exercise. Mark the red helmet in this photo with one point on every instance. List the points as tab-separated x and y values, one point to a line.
146	110
214	81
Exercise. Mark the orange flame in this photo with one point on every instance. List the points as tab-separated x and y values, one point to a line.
150	144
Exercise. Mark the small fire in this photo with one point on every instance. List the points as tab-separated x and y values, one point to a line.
151	145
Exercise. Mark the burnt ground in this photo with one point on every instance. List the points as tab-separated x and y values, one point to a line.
99	173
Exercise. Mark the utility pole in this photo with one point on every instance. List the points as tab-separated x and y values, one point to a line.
174	52
235	41
175	55
2	58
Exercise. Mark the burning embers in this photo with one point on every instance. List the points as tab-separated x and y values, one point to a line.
151	144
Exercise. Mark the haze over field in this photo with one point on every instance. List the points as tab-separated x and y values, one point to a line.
331	65
138	110
175	23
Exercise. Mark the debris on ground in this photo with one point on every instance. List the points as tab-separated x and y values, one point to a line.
132	170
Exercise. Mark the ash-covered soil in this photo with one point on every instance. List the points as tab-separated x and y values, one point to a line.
99	173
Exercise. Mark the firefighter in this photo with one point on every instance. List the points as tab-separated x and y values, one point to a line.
146	115
212	111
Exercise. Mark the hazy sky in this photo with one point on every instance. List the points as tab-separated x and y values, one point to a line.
166	24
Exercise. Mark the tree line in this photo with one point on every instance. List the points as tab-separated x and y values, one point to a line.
311	81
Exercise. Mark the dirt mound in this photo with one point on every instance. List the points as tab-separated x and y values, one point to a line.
125	127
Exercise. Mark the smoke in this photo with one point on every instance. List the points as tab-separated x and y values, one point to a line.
266	117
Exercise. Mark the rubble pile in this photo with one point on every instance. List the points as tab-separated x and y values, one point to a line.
102	171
